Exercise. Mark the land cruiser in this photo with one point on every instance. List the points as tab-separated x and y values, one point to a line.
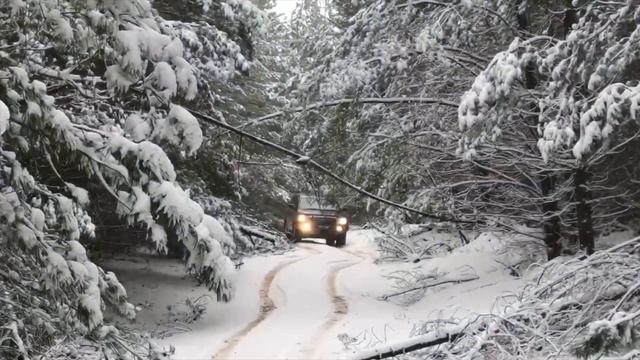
314	217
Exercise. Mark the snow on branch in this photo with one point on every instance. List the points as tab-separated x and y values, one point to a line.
441	336
489	89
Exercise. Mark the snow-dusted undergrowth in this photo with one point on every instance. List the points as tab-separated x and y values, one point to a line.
569	307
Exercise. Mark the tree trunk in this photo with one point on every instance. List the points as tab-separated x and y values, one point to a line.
582	195
570	17
551	222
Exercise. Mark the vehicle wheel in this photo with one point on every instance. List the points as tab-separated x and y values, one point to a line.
286	232
341	240
331	241
295	237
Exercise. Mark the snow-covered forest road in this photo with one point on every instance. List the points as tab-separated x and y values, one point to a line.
300	298
314	302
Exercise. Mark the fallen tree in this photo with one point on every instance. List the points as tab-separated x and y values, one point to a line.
305	160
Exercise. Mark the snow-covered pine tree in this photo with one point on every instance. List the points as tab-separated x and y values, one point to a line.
230	167
91	88
585	102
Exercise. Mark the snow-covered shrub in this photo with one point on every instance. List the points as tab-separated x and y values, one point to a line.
419	242
239	231
49	287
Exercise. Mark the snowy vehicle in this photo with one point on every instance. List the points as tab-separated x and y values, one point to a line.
313	217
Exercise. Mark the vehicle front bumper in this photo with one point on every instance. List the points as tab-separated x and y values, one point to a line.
315	229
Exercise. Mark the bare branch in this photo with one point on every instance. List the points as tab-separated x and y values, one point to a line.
396	100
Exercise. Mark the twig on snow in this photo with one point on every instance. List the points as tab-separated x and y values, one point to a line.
434	284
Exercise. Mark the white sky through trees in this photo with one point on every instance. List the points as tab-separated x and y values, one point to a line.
285	7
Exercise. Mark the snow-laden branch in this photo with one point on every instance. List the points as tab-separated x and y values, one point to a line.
394	100
473	59
420	3
424	2
437	337
317	166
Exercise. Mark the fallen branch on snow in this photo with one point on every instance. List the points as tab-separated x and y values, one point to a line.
433	284
430	339
261	234
428	248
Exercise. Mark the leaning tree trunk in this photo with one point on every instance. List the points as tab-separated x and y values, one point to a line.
582	197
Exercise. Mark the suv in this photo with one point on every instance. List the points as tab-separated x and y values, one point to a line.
313	217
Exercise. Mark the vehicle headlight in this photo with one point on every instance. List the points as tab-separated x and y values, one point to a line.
305	227
339	228
302	218
342	221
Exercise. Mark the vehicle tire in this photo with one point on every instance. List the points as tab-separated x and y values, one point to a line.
341	240
295	237
331	241
285	230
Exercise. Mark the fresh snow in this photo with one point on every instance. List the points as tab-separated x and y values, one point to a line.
314	302
180	127
4	117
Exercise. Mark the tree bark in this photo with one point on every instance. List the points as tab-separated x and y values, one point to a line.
582	195
570	17
551	222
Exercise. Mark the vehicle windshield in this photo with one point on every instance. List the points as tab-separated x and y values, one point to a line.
313	203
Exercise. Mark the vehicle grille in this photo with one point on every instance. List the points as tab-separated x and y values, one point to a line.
323	221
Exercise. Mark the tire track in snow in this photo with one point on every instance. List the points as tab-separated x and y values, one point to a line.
340	305
267	306
340	310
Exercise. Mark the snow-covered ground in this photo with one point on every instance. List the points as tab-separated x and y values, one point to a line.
314	302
